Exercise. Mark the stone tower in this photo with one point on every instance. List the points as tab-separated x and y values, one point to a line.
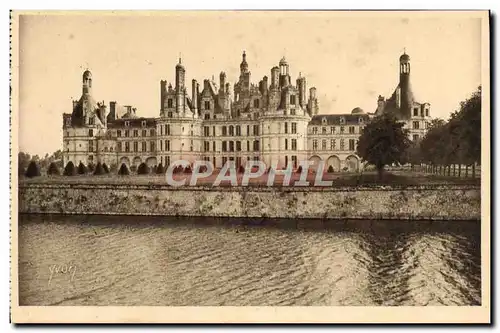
406	94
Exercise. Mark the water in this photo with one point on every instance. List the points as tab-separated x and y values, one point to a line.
99	260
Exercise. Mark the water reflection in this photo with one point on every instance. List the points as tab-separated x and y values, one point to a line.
169	261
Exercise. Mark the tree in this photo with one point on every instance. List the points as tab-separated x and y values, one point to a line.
241	169
69	170
99	170
33	170
105	168
188	170
330	169
383	142
23	160
143	169
299	169
123	171
90	167
82	169
53	169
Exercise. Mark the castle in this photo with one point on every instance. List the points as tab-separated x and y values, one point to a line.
275	122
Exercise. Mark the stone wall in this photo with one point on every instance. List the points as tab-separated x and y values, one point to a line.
448	202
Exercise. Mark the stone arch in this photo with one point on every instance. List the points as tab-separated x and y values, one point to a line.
151	161
352	163
334	161
137	161
125	160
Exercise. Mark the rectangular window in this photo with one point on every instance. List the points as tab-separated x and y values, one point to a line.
136	133
294	144
206	131
351	130
294	128
255	103
167	145
213	146
248	129
342	129
256	145
143	144
161	129
170	114
323	130
206	146
91	145
294	161
427	112
161	145
332	130
323	144
415	112
342	146
91	132
213	128
248	145
224	160
255	129
127	147
292	99
224	146
119	146
315	130
167	129
170	103
224	130
415	137
144	133
152	146
352	144
231	130
152	132
231	145
286	144
332	144
127	133
416	125
207	116
91	121
292	112
136	146
286	128
315	144
167	161
207	105
238	130
118	133
238	145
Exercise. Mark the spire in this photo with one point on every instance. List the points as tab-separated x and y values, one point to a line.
244	64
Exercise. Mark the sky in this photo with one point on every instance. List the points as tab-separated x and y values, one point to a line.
351	59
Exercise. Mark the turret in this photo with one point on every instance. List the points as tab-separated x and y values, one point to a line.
244	64
406	99
284	73
87	83
222	81
163	91
275	72
179	86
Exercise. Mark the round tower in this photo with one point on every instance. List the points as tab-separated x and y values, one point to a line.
180	89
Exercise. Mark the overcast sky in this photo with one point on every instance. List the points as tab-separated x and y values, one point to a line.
349	59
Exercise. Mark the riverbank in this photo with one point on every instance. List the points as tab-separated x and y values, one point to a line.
399	202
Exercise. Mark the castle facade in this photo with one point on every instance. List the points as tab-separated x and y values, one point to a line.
275	121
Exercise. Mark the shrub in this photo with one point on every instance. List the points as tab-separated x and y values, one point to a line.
203	168
82	169
330	169
99	169
188	170
143	169
178	169
69	170
241	169
123	171
90	167
53	169
105	168
133	168
153	169
159	169
299	169
345	169
33	170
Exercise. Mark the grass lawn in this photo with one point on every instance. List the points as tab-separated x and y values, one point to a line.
338	179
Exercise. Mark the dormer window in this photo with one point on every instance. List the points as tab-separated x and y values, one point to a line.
360	120
91	121
427	112
292	99
207	116
255	103
207	105
143	123
342	120
169	114
127	123
323	121
170	103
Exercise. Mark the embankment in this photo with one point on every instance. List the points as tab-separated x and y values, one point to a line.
429	202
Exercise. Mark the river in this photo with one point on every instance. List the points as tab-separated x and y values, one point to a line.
111	260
